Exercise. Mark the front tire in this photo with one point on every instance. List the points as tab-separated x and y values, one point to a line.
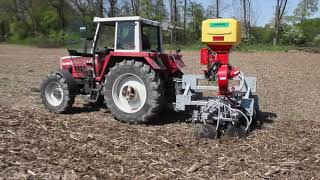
133	92
56	94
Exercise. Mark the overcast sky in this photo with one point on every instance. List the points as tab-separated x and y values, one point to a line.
264	9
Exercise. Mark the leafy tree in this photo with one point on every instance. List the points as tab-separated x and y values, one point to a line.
305	9
49	21
173	19
316	41
197	15
135	4
112	8
60	6
261	35
160	11
126	8
293	36
280	8
310	28
19	30
147	9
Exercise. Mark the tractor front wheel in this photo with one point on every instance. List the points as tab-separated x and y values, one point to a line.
56	94
133	92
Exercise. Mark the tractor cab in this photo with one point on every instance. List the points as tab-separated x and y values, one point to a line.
119	38
124	34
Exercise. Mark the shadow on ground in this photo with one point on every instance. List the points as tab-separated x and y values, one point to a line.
170	117
87	108
262	118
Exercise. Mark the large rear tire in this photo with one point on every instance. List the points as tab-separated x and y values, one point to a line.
133	92
56	94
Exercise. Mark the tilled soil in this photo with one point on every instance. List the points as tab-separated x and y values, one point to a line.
89	144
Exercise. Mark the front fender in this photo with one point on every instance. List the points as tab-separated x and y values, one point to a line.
71	82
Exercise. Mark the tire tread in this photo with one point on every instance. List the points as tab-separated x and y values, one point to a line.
154	98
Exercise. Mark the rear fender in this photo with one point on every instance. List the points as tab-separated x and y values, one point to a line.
154	64
111	60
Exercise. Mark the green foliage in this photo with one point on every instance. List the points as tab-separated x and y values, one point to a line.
160	11
197	14
261	35
52	41
305	9
310	28
49	21
316	41
293	36
147	9
18	29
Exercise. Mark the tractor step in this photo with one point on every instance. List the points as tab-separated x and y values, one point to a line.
94	95
92	98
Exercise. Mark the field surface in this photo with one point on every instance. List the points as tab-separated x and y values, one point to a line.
90	144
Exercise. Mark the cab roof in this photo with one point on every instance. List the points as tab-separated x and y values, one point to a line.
112	20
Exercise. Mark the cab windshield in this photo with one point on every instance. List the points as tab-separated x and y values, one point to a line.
106	37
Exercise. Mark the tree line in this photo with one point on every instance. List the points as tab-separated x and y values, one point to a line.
58	21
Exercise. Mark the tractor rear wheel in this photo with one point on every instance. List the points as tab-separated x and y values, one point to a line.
133	92
56	94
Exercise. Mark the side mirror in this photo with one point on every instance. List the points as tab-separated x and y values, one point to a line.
84	34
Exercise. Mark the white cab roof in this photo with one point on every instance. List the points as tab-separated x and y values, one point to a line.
111	20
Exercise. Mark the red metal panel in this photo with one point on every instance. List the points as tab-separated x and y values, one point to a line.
223	80
134	54
173	62
104	67
218	38
223	57
204	56
234	72
152	63
222	52
147	55
179	62
78	65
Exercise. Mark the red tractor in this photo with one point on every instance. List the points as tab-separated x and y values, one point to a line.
127	70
